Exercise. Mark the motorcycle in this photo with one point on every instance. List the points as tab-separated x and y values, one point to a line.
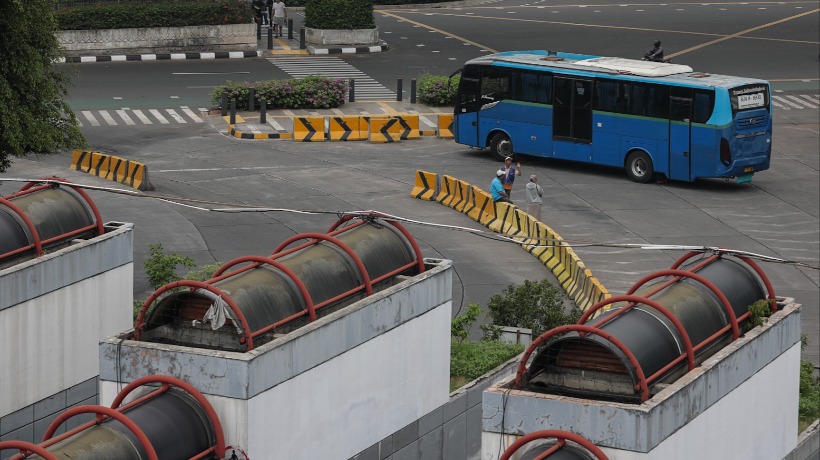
646	57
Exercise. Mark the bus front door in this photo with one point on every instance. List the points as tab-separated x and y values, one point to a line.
680	139
466	110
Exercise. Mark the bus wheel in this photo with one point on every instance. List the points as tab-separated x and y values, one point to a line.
501	147
639	167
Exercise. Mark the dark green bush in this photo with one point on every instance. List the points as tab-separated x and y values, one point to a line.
148	14
311	92
536	305
437	90
339	14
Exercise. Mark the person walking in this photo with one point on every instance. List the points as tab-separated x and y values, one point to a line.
264	12
497	188
280	14
510	172
258	6
534	197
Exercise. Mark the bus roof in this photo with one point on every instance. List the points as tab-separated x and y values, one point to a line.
626	68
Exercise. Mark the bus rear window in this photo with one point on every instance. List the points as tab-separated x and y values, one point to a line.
749	97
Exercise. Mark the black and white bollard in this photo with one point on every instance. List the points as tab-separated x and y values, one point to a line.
233	111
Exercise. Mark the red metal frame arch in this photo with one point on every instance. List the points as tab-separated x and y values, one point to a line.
221	274
634	299
55	181
167	382
247	338
686	274
522	366
752	264
368	286
25	448
37	245
413	244
560	435
101	412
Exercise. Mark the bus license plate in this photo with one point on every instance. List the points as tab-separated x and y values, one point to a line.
744	178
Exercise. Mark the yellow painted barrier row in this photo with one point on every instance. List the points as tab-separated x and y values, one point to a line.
126	172
534	236
376	129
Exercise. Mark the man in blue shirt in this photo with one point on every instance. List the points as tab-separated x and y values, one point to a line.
497	188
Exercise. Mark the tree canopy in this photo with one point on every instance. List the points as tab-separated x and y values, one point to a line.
34	118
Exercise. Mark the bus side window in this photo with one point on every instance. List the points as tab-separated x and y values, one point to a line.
640	99
495	84
612	96
545	88
704	102
528	87
658	102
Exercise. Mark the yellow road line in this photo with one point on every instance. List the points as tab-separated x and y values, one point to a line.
598	26
440	31
743	32
390	110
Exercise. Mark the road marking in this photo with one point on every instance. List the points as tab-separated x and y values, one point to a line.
108	118
159	116
124	115
145	120
177	117
439	30
786	101
90	117
811	106
192	115
207	73
276	125
366	89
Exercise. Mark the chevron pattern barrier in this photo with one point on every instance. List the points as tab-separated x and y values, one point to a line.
127	172
534	236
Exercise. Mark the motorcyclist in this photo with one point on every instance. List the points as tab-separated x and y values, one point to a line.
656	53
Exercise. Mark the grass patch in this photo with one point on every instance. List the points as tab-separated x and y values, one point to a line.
471	360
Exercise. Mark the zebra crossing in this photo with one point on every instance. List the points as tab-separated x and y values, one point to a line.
796	101
367	89
132	117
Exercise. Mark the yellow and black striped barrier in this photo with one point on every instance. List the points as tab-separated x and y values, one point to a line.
409	125
426	184
461	196
127	172
308	129
384	129
347	129
445	126
257	136
446	193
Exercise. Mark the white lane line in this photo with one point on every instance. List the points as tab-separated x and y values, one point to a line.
786	101
177	117
807	104
145	120
427	121
159	116
124	115
813	99
192	115
779	105
108	118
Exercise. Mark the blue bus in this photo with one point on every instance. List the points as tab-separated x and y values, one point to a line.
652	118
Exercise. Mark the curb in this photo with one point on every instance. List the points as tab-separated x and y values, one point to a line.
349	49
162	56
240	135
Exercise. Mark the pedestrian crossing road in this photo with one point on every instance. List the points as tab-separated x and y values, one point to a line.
366	88
131	117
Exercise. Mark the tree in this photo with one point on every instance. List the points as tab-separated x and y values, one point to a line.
536	305
34	118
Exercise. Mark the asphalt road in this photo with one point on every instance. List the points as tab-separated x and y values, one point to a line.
776	215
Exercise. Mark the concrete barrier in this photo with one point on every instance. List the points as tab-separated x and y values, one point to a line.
534	236
445	126
426	185
346	129
308	129
127	172
384	130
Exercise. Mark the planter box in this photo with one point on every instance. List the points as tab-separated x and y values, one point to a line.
230	37
325	37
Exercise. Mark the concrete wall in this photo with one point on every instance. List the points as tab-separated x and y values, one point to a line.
230	37
327	390
53	311
740	403
452	431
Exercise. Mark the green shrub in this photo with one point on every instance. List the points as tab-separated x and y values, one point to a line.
460	326
161	268
311	92
471	360
339	14
437	90
536	305
150	14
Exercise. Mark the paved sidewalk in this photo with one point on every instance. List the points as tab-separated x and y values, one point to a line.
279	122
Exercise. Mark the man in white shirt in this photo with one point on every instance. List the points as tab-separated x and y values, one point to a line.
534	197
279	16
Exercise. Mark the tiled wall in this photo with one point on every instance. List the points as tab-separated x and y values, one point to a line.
30	423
